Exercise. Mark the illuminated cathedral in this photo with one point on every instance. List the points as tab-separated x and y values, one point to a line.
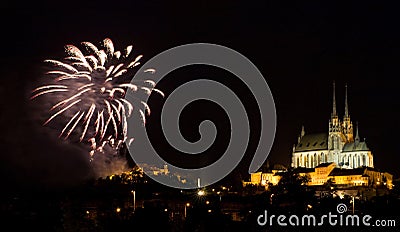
338	145
337	155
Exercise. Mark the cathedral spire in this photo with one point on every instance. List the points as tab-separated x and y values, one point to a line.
346	108
347	124
357	139
302	133
334	101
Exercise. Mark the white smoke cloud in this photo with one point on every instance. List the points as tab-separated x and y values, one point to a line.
108	162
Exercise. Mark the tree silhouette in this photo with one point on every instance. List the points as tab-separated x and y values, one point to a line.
292	192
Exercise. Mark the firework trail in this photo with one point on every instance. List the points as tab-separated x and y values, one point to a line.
89	88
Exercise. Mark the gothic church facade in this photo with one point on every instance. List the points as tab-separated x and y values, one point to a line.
338	145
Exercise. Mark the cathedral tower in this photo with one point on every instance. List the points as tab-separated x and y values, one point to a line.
334	123
336	138
347	124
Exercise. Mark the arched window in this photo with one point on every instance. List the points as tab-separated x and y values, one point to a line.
350	161
306	161
315	160
334	142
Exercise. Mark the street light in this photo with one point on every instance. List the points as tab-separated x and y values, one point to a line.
186	205
134	200
352	201
201	193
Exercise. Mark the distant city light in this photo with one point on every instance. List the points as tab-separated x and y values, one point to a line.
201	193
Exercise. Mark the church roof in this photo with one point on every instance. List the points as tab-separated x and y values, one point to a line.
303	170
371	169
355	146
347	172
312	142
324	165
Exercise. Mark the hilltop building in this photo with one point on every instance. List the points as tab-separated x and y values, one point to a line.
337	156
338	145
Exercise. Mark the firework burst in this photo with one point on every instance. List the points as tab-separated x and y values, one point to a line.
89	91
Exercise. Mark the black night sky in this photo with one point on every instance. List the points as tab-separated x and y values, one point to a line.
300	48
